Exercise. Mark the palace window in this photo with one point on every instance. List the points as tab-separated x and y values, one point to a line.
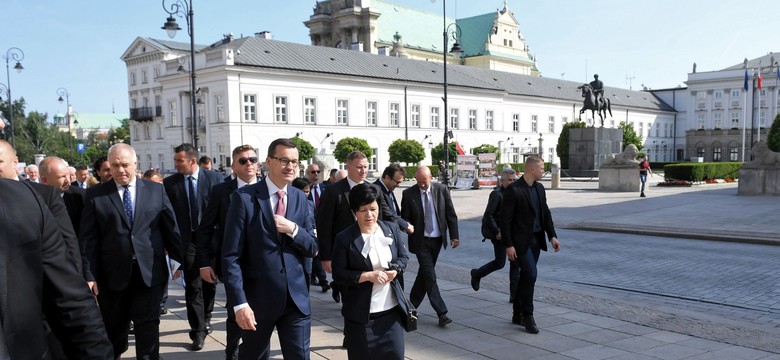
489	120
415	115
454	112
394	113
472	119
310	111
516	122
371	113
342	112
534	123
250	107
434	117
280	109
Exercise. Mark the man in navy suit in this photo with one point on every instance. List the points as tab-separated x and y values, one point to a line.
391	179
126	226
208	242
314	173
188	191
269	232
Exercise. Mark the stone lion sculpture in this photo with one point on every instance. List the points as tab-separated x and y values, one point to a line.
763	157
627	158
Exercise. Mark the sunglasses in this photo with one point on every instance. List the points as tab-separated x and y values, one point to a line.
315	171
244	160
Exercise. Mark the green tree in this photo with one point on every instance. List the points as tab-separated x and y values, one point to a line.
630	136
34	135
120	134
487	149
773	138
563	142
305	149
350	144
437	153
406	151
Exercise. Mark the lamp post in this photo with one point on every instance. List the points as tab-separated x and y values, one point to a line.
3	90
456	50
15	54
64	92
183	8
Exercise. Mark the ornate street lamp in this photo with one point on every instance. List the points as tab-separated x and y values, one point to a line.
64	92
15	54
183	9
456	50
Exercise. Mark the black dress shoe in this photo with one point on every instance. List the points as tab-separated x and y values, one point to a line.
344	342
197	343
474	280
444	320
131	329
530	324
517	319
163	310
325	286
209	329
336	295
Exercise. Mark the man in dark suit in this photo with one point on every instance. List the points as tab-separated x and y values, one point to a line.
491	230
54	173
127	225
314	174
210	237
268	233
391	179
82	174
188	191
43	282
428	207
525	219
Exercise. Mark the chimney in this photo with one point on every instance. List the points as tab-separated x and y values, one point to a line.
227	38
357	46
263	35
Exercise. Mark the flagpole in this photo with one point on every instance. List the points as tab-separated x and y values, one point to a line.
760	86
744	115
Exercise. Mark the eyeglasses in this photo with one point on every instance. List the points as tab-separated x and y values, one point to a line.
398	182
315	171
244	160
286	161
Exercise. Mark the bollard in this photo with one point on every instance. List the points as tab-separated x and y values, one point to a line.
556	176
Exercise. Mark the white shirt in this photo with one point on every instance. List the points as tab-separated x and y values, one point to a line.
194	184
376	248
352	183
132	187
427	193
241	183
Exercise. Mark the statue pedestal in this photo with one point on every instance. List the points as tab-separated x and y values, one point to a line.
758	181
619	179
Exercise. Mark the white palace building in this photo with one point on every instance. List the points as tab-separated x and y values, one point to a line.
252	90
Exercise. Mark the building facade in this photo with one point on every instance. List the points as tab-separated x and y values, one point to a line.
254	90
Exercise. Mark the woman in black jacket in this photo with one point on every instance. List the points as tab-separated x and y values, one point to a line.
367	257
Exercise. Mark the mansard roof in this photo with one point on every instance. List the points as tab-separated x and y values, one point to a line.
418	29
273	54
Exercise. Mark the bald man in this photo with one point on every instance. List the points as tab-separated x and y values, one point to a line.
126	226
55	173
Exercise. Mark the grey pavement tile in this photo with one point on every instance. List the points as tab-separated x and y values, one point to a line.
668	336
550	310
605	322
703	344
634	329
594	352
771	357
459	313
490	324
545	321
572	328
579	316
549	341
635	343
602	336
473	340
516	351
496	309
737	353
418	340
633	356
472	356
444	351
551	357
672	352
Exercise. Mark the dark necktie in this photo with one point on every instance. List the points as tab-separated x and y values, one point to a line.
429	217
280	208
193	200
316	196
395	203
128	204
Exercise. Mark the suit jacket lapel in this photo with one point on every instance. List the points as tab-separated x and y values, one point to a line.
389	233
141	198
261	194
116	198
358	242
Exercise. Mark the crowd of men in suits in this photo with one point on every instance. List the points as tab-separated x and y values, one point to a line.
266	241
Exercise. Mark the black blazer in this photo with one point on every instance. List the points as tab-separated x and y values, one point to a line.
110	242
321	185
177	194
208	241
349	263
74	202
334	215
393	213
517	216
490	219
412	211
37	274
51	197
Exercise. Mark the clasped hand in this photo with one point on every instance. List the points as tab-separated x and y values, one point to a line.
285	226
381	277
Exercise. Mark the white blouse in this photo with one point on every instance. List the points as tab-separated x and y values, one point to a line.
376	248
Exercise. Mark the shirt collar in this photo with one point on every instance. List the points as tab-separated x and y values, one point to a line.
352	183
131	184
242	183
272	188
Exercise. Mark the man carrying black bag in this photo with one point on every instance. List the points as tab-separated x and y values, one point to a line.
492	231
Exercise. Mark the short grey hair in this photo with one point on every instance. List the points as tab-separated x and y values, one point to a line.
507	172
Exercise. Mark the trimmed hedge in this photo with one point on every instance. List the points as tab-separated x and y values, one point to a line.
702	171
519	167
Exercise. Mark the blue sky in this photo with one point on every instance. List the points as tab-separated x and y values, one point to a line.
77	44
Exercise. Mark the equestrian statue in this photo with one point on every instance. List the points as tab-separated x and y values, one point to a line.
594	99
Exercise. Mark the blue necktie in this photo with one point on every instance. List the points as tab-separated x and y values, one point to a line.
193	200
128	203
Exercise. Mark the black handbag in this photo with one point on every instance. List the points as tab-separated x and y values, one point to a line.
409	316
